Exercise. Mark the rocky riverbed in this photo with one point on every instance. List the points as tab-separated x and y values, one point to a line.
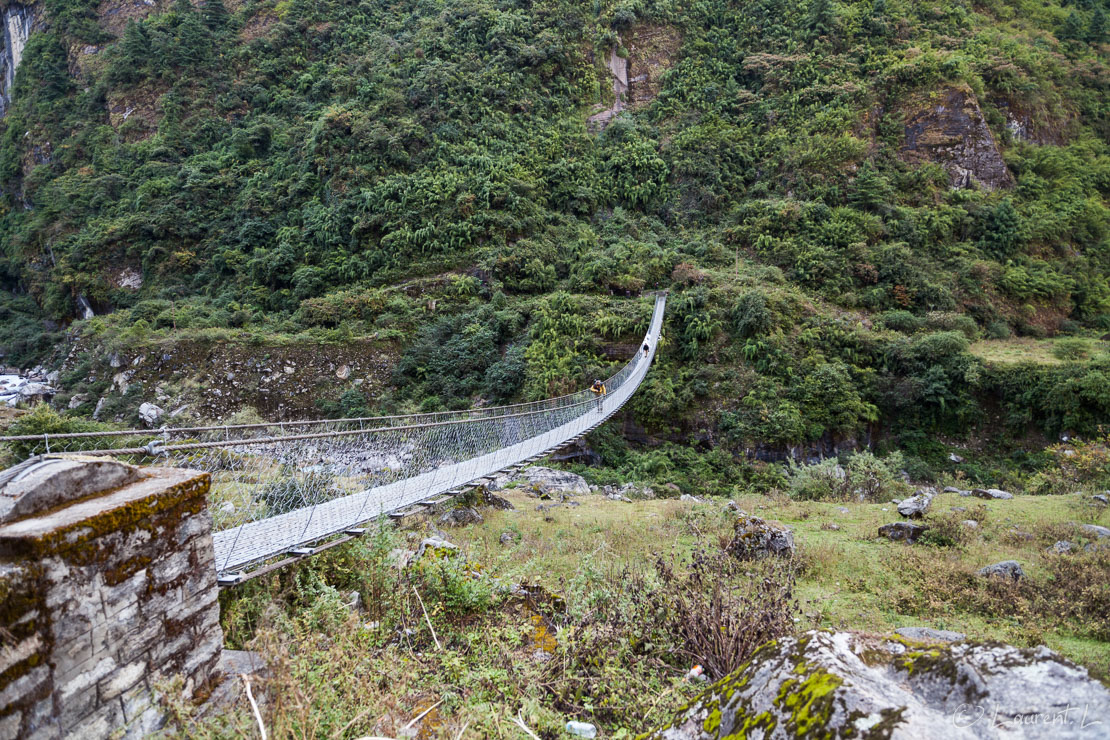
17	387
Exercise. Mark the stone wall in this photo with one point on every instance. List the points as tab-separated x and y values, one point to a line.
103	598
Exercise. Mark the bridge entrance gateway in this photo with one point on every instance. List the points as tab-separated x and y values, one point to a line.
294	488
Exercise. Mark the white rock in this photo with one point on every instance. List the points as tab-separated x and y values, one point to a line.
150	414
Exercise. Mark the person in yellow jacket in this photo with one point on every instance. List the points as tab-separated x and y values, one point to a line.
599	390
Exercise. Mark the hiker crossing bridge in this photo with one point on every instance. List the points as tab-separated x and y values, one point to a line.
282	491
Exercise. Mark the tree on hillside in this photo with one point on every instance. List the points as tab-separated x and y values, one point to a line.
872	190
1002	232
1096	33
1073	28
215	14
820	18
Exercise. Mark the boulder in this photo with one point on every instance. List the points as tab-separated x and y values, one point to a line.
953	457
99	410
547	480
915	506
756	538
1101	498
842	684
1062	547
460	517
691	499
35	392
995	493
970	523
509	538
150	414
1006	569
902	531
618	497
78	399
928	634
498	502
437	546
1095	530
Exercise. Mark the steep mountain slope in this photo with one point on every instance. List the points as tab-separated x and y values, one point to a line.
841	195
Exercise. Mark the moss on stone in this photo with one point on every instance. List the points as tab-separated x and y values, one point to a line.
809	701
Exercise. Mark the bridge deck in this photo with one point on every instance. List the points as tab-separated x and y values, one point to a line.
254	541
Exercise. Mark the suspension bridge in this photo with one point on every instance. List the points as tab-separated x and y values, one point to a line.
284	491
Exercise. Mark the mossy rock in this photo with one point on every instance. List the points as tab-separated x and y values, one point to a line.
843	684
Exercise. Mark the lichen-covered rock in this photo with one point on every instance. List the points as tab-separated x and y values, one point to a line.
825	684
756	538
915	506
992	493
460	517
546	480
948	128
902	531
928	634
150	414
1007	569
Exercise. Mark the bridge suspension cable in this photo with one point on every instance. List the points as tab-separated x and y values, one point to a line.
288	488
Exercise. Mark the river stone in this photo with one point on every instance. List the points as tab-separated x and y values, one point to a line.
1006	569
995	493
928	634
757	538
902	531
843	684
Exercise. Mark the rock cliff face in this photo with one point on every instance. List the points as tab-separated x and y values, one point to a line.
19	21
949	129
637	74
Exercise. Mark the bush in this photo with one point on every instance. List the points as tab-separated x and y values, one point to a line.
998	330
1071	349
863	476
45	420
751	317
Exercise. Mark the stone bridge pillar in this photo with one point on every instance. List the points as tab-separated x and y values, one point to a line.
107	589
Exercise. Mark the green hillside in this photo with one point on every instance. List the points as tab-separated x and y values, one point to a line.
842	197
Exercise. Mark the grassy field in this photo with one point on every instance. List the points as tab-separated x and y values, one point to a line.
577	648
1038	351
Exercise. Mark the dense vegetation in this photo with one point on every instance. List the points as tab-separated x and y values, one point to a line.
275	168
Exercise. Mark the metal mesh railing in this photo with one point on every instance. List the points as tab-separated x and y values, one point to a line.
280	487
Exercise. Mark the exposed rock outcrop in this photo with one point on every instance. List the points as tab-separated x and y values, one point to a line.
19	21
545	480
636	67
948	128
826	684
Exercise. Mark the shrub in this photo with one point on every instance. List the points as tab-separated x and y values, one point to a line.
1071	349
902	321
863	476
45	420
751	317
998	330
